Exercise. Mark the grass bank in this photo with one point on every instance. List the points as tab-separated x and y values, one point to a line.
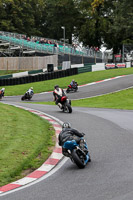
26	141
82	78
116	100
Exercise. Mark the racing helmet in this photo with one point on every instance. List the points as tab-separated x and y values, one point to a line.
3	89
66	125
31	88
56	86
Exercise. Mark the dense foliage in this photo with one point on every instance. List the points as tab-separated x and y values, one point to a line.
93	22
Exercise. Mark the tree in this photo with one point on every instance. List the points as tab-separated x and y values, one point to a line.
91	23
120	25
105	21
59	13
21	16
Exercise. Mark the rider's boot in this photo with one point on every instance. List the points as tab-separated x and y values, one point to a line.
65	152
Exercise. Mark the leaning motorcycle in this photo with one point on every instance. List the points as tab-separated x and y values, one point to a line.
78	154
27	96
66	104
1	95
73	88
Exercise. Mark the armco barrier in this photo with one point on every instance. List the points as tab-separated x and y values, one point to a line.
6	76
35	71
87	68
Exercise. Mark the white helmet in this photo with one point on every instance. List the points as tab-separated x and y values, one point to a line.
31	88
66	125
3	89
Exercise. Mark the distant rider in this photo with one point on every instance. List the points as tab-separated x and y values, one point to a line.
58	93
69	133
2	92
30	91
72	83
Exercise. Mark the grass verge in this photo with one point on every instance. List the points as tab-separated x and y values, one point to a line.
82	78
26	141
116	100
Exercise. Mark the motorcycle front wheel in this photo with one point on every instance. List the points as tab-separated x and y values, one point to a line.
75	89
67	91
80	162
68	108
23	98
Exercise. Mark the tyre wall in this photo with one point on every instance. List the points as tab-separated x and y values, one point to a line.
38	77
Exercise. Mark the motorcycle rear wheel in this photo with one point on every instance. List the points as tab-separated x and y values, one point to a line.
80	163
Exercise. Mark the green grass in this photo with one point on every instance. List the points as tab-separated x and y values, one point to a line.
26	141
116	100
82	78
6	72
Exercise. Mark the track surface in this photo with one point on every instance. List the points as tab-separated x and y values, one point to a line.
109	134
86	91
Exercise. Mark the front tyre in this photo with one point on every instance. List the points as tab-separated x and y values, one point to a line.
76	89
80	162
67	91
69	108
23	98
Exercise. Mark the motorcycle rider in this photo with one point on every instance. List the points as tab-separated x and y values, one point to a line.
72	83
2	92
69	133
58	93
30	91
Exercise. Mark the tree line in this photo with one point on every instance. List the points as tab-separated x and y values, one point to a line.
92	22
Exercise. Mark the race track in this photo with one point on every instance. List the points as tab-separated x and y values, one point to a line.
89	90
109	134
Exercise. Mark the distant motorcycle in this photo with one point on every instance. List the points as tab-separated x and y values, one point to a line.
79	154
27	96
66	104
73	88
1	94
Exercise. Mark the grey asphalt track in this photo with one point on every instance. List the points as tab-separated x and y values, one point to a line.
109	134
86	91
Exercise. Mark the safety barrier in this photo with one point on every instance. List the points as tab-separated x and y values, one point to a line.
86	68
21	74
98	67
39	77
115	65
6	76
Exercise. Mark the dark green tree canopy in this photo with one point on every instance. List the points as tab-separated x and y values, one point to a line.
93	22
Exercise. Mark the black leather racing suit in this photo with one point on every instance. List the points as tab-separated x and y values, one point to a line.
69	134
